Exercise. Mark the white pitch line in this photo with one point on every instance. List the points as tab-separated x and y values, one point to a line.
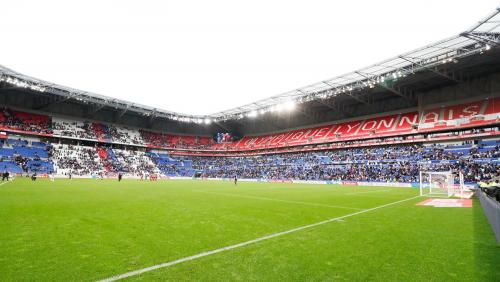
243	244
6	182
277	200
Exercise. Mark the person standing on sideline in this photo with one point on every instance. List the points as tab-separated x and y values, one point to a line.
5	176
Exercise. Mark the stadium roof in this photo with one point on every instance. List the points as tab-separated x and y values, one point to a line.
480	38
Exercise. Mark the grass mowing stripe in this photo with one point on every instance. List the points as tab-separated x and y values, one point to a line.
208	253
364	192
278	200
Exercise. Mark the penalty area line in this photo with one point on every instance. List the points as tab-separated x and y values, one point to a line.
243	244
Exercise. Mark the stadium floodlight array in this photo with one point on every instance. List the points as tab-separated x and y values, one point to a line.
481	38
21	83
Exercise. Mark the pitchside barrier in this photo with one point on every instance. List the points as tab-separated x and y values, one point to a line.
492	210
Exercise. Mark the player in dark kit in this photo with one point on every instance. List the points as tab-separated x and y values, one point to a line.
5	176
235	180
120	177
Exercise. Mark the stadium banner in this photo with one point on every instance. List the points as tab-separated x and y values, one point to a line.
249	180
386	184
486	160
310	182
180	178
279	181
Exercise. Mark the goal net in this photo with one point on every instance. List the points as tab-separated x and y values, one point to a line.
440	184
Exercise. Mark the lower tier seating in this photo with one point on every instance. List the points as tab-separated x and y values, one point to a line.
478	160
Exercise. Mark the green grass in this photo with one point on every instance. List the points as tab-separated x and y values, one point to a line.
86	230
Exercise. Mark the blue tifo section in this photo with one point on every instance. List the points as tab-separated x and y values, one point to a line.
173	166
397	163
18	156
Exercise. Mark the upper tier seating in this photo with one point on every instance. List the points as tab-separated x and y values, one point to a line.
160	140
406	123
24	122
452	117
73	128
126	135
469	114
102	132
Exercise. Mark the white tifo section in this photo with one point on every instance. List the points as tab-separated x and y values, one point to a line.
73	128
126	135
135	162
80	160
440	183
243	244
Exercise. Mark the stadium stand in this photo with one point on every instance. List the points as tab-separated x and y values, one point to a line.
452	117
76	129
400	163
136	162
24	122
102	132
172	166
125	135
76	160
342	151
22	156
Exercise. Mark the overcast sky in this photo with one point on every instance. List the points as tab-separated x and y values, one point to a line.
200	57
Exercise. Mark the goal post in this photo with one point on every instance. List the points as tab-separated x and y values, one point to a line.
440	183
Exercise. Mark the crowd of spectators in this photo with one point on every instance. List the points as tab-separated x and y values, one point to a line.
135	163
76	160
389	163
74	129
162	140
126	135
478	161
25	122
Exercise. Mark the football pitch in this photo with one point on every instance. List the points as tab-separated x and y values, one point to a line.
90	230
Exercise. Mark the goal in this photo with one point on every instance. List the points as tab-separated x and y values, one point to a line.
441	184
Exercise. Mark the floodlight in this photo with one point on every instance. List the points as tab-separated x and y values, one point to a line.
487	47
289	105
252	114
208	121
